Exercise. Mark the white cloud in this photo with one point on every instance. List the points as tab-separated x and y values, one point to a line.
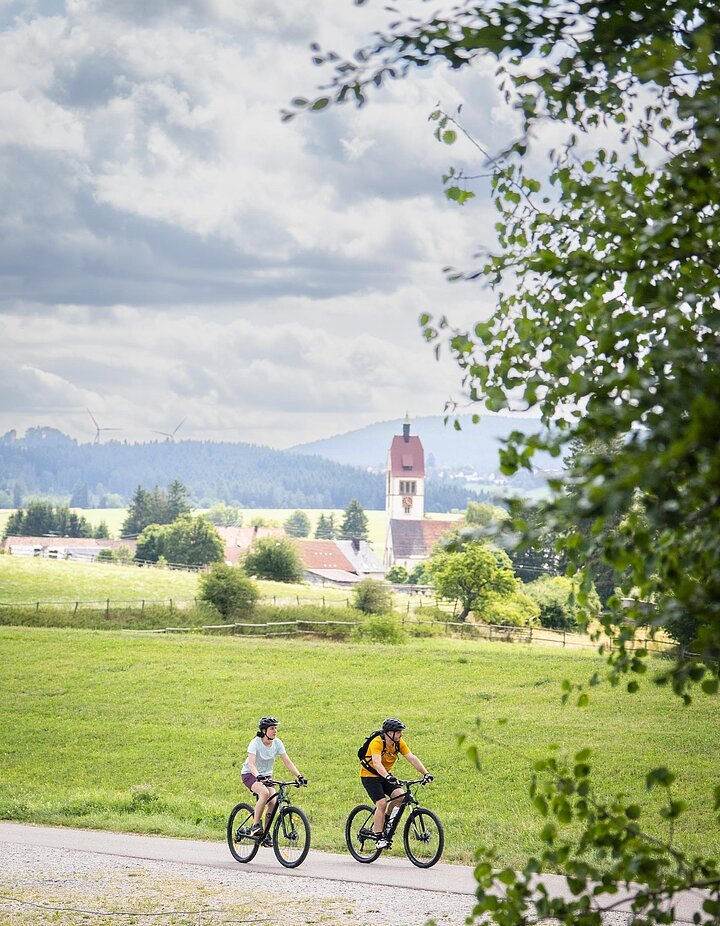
171	248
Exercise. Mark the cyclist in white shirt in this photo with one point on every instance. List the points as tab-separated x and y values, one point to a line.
257	768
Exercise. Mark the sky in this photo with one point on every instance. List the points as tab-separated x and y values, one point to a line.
173	252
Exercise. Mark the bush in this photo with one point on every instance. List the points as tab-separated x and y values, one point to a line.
520	610
229	590
556	599
274	558
106	555
382	630
423	630
372	597
398	575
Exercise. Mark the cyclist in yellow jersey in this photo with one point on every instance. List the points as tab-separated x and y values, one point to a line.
376	772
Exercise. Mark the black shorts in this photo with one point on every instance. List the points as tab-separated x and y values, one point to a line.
377	787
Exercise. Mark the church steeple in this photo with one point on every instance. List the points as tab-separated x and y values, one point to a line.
406	429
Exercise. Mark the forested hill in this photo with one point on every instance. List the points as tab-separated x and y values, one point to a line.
47	462
475	446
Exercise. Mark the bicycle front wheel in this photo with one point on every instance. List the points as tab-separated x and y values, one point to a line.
243	847
291	837
423	838
361	845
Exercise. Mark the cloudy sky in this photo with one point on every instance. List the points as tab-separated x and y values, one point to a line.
171	249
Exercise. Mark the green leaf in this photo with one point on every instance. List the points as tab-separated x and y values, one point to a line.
449	137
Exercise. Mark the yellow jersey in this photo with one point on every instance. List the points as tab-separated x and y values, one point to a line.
388	755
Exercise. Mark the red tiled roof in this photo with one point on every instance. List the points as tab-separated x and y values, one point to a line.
417	538
407	458
323	554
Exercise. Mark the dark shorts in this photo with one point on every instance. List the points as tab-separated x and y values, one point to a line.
377	787
248	779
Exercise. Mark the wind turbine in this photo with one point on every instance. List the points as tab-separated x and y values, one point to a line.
98	429
171	437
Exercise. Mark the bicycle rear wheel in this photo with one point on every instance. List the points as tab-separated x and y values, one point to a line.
362	847
423	837
291	837
243	847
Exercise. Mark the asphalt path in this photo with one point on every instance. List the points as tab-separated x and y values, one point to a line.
392	872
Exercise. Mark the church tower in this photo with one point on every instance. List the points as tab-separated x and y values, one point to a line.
405	484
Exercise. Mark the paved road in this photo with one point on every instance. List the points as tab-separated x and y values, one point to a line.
394	872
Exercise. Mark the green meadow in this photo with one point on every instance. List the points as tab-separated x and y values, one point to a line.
27	580
147	734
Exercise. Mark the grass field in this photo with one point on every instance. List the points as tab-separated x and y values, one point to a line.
30	579
147	734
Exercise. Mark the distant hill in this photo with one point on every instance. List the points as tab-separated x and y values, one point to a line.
48	463
475	446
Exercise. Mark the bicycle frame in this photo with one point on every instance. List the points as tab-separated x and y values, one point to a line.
279	797
406	799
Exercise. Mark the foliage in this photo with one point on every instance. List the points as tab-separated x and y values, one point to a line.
298	524
155	507
579	820
473	573
102	531
41	519
326	529
150	544
556	599
224	515
386	630
188	541
229	590
419	575
106	556
354	524
517	610
607	273
398	575
372	597
274	558
484	515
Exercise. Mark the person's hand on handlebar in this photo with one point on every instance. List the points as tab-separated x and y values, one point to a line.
428	778
301	781
391	779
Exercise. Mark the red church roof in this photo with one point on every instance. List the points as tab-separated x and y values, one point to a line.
407	458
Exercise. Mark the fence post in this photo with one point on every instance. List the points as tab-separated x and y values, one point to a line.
76	607
407	610
37	605
142	606
563	638
107	608
171	606
298	600
531	630
274	601
323	601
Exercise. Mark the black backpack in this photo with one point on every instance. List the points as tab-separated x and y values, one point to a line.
362	752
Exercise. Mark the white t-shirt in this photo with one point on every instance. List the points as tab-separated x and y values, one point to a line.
264	755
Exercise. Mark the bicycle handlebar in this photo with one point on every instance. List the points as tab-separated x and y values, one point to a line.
419	781
284	784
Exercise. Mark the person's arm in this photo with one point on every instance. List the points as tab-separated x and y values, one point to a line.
378	766
251	764
416	763
290	764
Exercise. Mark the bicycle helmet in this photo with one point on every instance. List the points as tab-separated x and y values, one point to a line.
266	722
392	725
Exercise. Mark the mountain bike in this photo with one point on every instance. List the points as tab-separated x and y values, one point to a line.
423	835
289	827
